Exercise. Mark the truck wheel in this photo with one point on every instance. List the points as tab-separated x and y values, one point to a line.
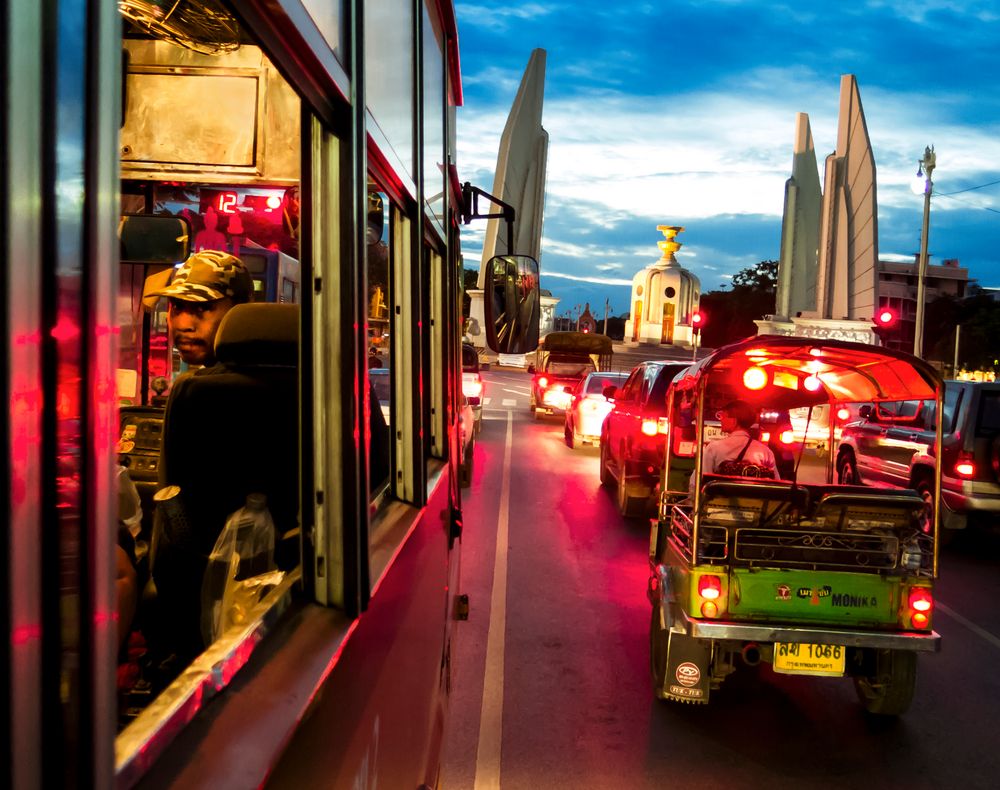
606	478
847	469
889	690
628	505
659	641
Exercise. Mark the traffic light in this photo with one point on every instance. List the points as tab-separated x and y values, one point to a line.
884	323
697	321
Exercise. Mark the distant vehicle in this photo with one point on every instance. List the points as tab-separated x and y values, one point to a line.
562	360
892	443
468	428
473	386
633	435
589	406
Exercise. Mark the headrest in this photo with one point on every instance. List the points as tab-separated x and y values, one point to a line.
259	333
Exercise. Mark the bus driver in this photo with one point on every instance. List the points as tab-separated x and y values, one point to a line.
201	292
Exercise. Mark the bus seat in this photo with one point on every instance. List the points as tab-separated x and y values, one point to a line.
229	431
728	500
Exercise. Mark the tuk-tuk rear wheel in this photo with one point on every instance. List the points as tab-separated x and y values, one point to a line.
888	691
659	639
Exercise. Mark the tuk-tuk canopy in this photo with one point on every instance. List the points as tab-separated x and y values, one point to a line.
840	371
576	342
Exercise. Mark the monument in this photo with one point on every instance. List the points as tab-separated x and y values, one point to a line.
519	181
664	297
828	267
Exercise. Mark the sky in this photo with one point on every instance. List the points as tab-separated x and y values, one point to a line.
682	112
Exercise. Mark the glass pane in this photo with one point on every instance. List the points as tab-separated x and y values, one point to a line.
379	346
435	171
389	73
329	18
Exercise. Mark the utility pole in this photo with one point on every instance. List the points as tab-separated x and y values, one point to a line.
925	169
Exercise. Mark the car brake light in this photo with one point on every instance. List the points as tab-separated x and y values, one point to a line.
843	414
650	427
786	437
765	436
709	587
663	426
472	388
965	465
542	382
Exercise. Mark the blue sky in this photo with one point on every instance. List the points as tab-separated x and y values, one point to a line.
683	113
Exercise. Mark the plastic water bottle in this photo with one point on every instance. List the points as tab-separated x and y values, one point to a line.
243	551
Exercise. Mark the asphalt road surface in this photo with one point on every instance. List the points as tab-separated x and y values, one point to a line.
551	685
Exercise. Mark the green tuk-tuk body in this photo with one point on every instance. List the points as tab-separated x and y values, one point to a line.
790	569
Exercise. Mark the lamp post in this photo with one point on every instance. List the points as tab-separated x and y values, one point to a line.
923	184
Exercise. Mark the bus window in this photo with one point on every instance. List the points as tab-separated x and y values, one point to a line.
380	422
200	441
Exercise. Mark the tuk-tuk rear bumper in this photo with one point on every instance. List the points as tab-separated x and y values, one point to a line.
746	632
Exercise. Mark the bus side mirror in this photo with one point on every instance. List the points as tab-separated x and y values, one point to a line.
153	238
512	304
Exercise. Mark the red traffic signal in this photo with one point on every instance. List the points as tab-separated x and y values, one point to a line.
885	323
885	317
697	320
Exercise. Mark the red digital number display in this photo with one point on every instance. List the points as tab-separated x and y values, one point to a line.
227	202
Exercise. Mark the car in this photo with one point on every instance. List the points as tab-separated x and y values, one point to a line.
589	406
892	444
473	386
633	435
468	429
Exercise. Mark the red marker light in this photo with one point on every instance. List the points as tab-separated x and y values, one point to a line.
755	378
650	427
273	202
843	414
543	382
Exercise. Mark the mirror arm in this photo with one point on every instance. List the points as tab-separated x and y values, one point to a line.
470	200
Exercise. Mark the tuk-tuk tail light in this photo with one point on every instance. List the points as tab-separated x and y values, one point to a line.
709	587
650	427
921	604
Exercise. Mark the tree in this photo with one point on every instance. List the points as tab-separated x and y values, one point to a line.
730	315
470	279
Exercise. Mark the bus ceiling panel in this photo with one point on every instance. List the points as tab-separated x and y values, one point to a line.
226	118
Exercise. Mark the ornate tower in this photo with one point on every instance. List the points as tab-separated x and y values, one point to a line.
664	295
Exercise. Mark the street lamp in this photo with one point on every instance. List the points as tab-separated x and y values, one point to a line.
923	184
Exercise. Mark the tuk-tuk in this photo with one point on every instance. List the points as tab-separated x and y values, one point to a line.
813	577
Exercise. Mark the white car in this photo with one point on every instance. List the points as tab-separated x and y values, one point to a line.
586	412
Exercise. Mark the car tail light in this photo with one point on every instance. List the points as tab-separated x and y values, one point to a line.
921	604
765	436
965	465
472	388
650	427
663	426
542	382
843	414
787	437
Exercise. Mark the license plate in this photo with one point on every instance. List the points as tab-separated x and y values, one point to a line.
806	659
713	432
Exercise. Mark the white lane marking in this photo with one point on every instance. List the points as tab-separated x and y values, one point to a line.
491	716
486	401
508	402
993	640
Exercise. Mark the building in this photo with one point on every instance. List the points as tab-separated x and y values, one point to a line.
897	290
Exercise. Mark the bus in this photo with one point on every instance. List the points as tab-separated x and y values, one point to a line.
315	140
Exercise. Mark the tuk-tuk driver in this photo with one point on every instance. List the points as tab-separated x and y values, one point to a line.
201	292
737	418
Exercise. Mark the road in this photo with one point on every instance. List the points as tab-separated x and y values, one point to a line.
550	674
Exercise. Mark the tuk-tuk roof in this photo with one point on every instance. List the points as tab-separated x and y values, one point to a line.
579	342
850	372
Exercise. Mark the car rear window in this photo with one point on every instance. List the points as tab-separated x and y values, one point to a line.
470	359
988	423
666	375
596	384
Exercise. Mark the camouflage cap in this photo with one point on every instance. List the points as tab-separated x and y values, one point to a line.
209	275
